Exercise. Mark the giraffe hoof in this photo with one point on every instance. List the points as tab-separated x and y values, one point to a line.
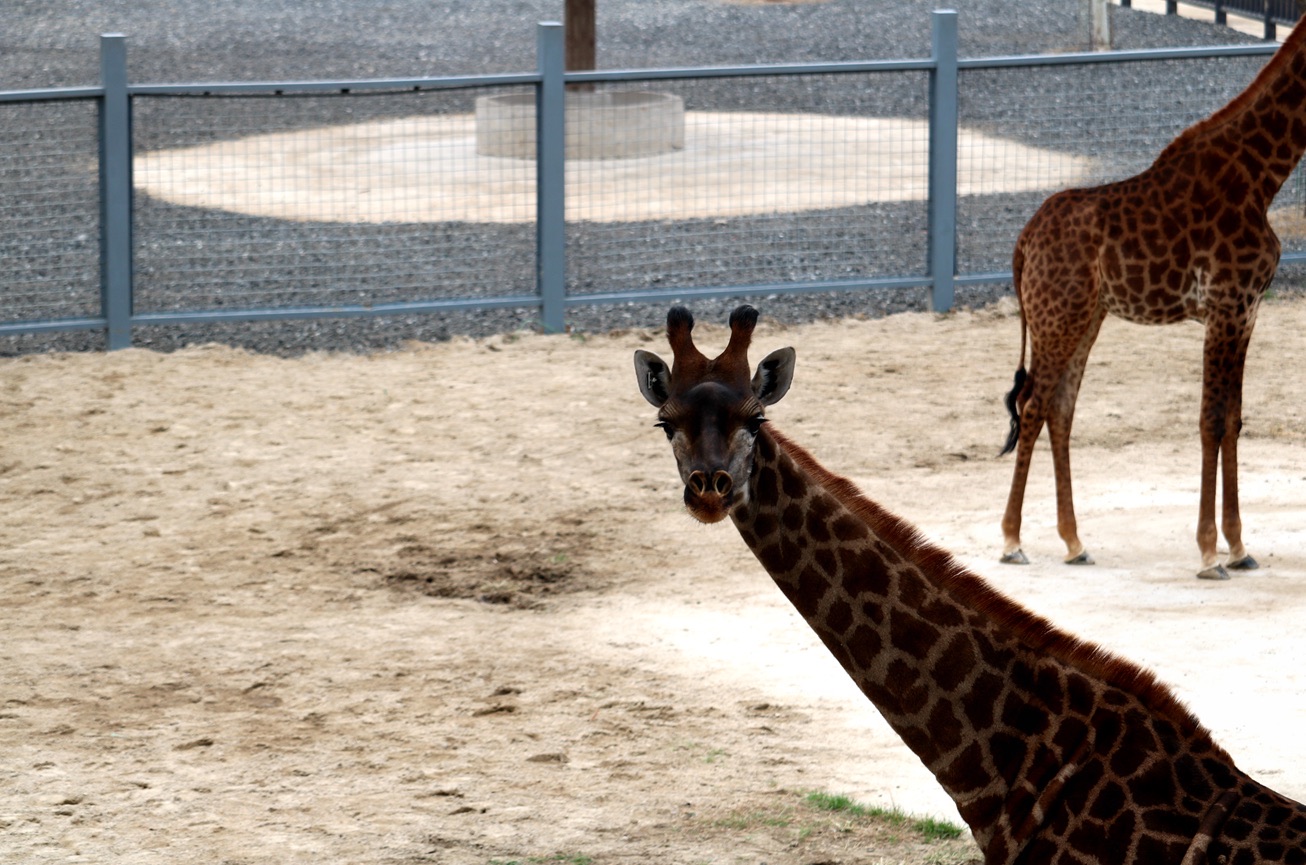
1246	563
1015	557
1082	559
1215	572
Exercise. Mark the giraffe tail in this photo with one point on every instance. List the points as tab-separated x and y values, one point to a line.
1013	409
1013	399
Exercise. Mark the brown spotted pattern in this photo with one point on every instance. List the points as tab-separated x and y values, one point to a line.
1053	751
1186	239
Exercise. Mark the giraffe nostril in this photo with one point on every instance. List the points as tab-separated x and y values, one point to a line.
698	483
722	483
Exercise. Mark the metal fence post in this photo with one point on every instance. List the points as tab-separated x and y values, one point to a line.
115	192
943	159
550	167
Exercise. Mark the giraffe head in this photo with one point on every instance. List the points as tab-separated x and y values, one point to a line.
712	410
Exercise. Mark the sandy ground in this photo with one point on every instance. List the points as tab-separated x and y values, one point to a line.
444	605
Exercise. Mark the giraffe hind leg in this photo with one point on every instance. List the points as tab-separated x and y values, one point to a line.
1030	424
1014	403
1060	420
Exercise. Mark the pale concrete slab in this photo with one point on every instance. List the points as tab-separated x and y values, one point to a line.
426	169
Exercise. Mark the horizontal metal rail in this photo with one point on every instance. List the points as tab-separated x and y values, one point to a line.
53	325
527	79
1134	56
641	295
52	94
291	88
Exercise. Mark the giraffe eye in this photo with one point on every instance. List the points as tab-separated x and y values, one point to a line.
755	424
666	428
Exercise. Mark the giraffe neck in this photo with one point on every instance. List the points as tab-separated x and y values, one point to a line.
1007	712
1250	146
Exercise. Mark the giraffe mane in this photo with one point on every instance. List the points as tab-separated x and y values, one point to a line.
1033	630
1259	86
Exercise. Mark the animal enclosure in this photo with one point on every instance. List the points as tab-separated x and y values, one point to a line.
438	605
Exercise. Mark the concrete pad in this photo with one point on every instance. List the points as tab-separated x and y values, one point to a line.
426	169
608	124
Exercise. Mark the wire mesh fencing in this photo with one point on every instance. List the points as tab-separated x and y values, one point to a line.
50	222
377	198
319	200
752	194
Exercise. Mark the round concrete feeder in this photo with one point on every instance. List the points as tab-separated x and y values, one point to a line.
620	124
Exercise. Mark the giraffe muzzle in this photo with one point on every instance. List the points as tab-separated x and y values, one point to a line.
708	496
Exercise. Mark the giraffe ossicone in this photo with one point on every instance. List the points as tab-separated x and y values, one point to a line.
1187	239
1053	750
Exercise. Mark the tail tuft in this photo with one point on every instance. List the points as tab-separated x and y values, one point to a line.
1014	411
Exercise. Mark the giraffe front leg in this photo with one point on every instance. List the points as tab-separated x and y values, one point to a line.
1231	521
1206	535
1059	422
1221	420
1212	432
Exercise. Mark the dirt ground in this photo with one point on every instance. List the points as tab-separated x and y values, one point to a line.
444	604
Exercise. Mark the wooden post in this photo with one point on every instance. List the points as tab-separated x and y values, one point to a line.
579	26
1099	25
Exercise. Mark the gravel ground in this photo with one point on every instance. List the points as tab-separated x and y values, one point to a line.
53	43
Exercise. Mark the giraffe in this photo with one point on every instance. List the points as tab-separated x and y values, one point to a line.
1052	750
1187	239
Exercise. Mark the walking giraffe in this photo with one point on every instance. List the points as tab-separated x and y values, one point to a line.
1054	751
1186	239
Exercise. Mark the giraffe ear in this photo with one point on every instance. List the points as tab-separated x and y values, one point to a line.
654	377
774	375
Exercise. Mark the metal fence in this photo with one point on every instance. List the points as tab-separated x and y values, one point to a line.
1271	12
128	205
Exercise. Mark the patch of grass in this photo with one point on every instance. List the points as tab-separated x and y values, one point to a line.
754	819
927	827
563	858
703	752
830	828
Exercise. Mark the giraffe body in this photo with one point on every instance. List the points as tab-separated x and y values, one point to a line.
1187	239
1053	750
